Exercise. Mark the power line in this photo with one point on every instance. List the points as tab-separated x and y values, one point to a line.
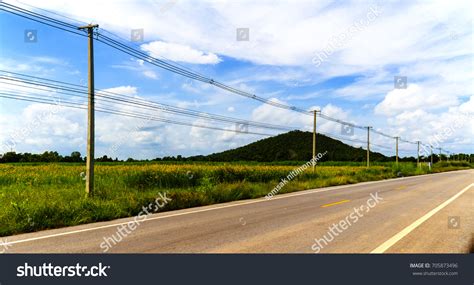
160	63
75	90
382	134
100	99
40	18
193	75
406	141
68	90
175	68
70	104
131	101
51	12
341	121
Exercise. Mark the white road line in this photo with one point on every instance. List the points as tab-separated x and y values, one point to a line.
282	196
393	240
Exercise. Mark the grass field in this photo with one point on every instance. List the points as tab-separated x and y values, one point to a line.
41	196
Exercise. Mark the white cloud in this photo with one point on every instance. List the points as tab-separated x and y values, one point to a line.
330	127
413	97
138	65
200	31
123	90
150	74
179	53
272	115
40	127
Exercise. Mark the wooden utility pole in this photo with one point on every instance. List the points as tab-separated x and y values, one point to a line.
314	139
396	150
90	113
368	146
418	154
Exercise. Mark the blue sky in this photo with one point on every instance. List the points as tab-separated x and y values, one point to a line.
340	57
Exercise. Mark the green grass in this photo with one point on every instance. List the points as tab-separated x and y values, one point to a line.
38	196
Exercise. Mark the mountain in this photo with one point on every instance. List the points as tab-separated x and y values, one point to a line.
294	145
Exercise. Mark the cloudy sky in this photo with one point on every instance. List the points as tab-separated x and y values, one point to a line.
337	56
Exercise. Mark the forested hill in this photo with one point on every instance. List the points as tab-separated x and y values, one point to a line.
294	145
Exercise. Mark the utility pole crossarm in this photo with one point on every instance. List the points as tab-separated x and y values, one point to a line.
90	26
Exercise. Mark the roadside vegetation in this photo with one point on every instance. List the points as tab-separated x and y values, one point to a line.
38	196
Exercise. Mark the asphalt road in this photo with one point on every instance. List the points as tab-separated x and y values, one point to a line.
422	214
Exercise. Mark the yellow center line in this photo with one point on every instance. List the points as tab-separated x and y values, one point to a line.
335	203
401	187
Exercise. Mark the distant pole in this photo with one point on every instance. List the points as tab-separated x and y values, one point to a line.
439	154
368	146
314	140
90	113
431	148
418	154
396	150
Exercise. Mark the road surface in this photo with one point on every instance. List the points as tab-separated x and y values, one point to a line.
422	214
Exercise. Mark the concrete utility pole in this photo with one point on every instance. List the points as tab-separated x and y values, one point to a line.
418	154
368	146
431	148
90	113
396	150
314	139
